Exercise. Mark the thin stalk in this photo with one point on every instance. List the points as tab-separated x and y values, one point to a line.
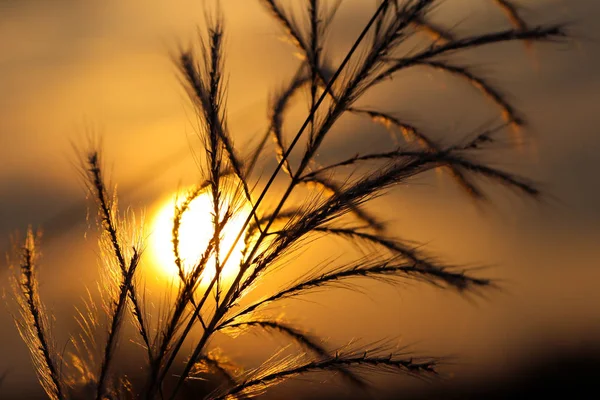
116	321
109	226
313	60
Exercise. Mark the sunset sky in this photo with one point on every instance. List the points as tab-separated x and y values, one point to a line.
68	68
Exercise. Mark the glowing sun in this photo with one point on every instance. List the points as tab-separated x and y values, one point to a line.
195	232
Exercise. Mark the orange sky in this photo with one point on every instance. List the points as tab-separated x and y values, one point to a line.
67	66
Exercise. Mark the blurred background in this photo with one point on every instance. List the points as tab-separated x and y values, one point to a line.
69	67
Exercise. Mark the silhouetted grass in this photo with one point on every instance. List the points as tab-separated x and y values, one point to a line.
33	323
341	191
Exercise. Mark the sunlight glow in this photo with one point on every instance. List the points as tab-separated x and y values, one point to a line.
195	232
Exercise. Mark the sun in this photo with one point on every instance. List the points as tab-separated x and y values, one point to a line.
195	232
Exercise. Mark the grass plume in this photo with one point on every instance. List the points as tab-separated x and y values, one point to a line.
33	322
284	370
336	206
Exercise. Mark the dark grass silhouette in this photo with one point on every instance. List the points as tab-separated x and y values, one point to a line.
341	190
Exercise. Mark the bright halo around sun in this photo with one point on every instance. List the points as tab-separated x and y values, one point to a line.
195	232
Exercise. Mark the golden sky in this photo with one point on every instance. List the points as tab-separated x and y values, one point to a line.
67	67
